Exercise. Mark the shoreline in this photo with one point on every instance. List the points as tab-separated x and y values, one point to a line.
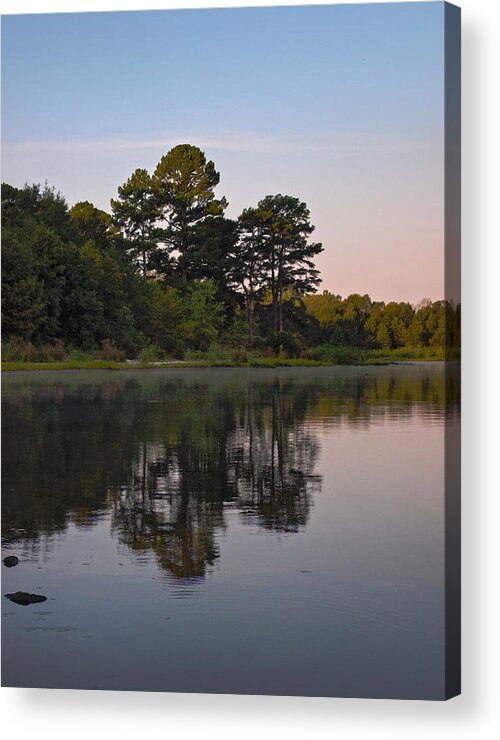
269	363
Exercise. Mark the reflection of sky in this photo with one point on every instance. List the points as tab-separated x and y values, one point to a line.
352	605
341	106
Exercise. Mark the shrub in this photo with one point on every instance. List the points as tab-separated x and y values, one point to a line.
109	351
179	351
310	354
52	352
341	355
15	350
240	356
151	353
78	355
286	344
18	350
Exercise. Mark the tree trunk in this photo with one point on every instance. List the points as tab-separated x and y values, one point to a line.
280	310
275	311
250	309
274	293
250	324
144	252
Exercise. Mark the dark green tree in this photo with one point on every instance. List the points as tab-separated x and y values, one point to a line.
49	264
213	242
135	213
22	292
165	325
184	184
81	309
93	224
246	269
288	256
203	314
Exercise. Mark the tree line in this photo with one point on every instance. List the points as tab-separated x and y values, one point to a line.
357	321
166	271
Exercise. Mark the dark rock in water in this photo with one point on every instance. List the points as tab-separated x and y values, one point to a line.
23	598
10	561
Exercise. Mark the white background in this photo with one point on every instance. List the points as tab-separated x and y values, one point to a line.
58	714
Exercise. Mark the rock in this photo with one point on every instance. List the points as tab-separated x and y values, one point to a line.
10	561
23	598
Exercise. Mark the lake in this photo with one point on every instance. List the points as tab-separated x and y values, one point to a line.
228	530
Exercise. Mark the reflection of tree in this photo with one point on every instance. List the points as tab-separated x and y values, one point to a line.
150	514
168	452
251	452
275	457
63	445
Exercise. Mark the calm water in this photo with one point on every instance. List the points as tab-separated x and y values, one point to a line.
237	531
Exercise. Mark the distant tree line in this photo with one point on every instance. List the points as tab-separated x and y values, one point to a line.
357	321
166	271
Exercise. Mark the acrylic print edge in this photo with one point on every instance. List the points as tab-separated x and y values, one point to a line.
452	274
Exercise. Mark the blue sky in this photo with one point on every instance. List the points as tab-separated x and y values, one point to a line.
341	106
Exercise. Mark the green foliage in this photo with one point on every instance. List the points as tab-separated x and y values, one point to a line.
286	344
240	356
56	285
204	314
358	322
93	224
166	274
235	330
341	355
78	355
165	326
48	254
22	290
211	254
41	205
81	307
151	353
109	351
17	349
135	212
271	362
274	255
184	183
13	366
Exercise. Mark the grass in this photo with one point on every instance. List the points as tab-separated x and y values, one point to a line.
408	353
13	365
325	355
358	356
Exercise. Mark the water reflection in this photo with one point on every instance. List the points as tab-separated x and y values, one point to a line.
166	454
253	453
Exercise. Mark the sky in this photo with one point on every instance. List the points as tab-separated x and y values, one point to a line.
341	106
